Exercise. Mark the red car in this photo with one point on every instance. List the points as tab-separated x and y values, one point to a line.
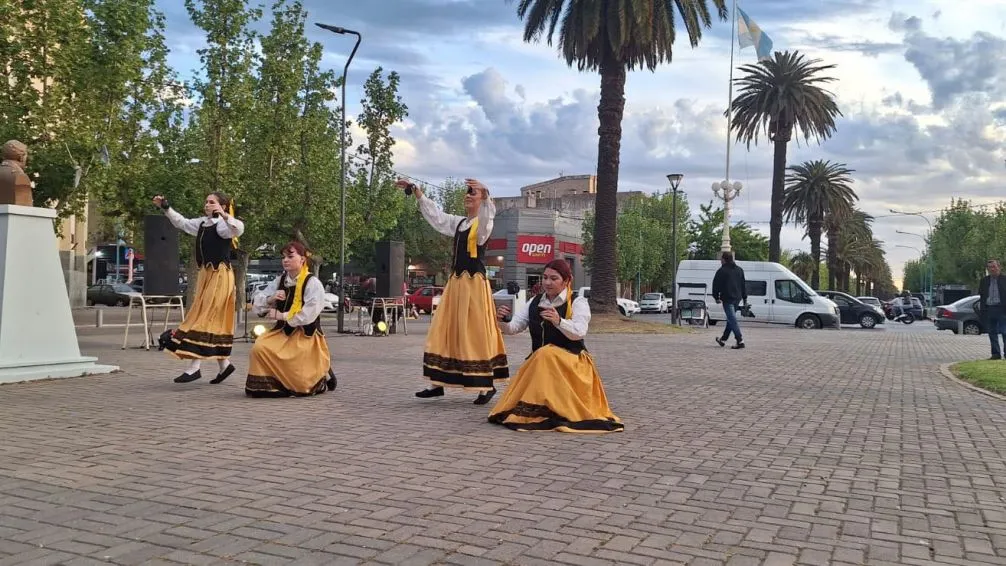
422	298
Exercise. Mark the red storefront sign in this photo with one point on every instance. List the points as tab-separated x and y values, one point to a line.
535	249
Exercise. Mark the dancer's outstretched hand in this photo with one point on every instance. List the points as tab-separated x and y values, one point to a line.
477	185
502	312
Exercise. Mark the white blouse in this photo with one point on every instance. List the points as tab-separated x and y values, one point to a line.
314	299
575	327
447	224
227	229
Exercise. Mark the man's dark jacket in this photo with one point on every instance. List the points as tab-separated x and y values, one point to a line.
728	284
983	292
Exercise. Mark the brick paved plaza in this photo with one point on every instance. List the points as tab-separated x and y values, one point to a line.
829	447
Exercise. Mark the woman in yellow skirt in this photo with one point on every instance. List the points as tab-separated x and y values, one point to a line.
464	347
208	329
557	388
293	358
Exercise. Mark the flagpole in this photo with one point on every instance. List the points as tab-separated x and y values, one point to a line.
729	190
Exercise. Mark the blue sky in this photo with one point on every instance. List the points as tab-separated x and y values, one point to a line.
922	86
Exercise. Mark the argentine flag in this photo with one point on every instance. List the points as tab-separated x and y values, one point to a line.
749	34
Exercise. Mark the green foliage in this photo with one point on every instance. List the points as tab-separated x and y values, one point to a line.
963	239
746	243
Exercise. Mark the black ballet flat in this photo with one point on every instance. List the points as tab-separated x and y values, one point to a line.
332	382
223	375
427	393
188	377
484	397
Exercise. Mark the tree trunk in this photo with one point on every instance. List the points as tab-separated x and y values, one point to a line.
832	258
814	231
609	112
778	185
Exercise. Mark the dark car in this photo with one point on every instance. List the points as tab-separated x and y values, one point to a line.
961	315
853	311
111	294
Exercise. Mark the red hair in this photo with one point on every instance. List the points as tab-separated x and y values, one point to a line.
295	246
561	267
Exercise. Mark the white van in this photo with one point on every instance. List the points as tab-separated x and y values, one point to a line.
775	294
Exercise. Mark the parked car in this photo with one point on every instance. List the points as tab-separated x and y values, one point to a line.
625	306
775	294
873	302
423	297
110	294
960	315
853	311
654	302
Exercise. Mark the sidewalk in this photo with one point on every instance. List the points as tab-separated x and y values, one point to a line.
801	449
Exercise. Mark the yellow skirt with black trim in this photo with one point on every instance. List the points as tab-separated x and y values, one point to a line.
464	346
208	329
556	390
282	365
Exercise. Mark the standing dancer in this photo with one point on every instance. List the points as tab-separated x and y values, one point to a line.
558	387
208	329
464	346
293	358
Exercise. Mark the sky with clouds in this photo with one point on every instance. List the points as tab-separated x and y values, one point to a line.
921	84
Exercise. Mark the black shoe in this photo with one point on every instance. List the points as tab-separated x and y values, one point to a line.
332	382
223	375
485	396
721	342
187	377
996	358
737	346
433	392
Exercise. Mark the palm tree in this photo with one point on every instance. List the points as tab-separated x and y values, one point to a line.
612	37
777	96
814	190
849	238
805	266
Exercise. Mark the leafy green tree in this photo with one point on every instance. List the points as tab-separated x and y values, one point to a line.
707	237
612	38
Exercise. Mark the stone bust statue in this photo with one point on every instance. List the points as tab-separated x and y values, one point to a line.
15	187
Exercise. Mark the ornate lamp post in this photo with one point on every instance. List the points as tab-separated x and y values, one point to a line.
729	192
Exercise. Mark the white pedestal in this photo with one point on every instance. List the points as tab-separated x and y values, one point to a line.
37	336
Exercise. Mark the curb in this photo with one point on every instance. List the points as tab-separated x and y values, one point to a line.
945	370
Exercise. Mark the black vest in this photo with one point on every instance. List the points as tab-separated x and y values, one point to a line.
462	261
211	249
544	332
311	327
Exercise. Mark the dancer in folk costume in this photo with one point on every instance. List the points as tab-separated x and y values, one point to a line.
293	358
557	387
208	329
464	346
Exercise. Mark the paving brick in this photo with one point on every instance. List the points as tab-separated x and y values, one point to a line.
819	447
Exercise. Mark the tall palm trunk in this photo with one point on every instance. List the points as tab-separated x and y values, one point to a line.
609	114
832	258
778	186
814	232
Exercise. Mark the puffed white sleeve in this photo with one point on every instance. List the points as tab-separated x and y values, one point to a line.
188	225
261	300
442	222
230	228
314	303
518	320
575	327
487	213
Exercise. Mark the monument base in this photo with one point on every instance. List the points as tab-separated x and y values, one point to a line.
13	373
37	336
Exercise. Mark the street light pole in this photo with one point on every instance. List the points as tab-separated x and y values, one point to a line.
342	173
730	192
674	179
929	253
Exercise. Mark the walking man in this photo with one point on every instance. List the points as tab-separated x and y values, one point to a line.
730	289
992	302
